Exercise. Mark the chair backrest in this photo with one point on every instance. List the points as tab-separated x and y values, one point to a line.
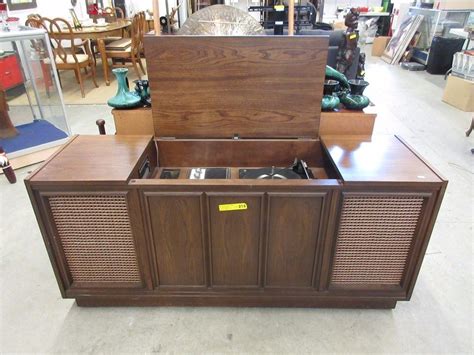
61	34
119	12
35	22
143	23
136	34
37	44
32	16
142	27
115	12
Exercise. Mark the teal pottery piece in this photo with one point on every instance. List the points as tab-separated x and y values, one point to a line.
333	74
330	87
329	102
123	98
355	102
358	86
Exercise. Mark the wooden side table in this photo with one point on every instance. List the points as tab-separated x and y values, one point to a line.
343	122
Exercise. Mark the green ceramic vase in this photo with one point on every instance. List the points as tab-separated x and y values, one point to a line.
123	98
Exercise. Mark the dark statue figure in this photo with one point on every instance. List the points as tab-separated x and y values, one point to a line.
345	55
361	67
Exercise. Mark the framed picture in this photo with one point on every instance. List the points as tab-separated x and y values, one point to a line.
75	20
21	4
401	39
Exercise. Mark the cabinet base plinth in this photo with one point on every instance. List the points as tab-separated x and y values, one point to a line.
234	301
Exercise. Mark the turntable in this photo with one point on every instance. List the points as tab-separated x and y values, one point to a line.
299	170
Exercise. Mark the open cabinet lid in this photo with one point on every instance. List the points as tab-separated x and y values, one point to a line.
252	87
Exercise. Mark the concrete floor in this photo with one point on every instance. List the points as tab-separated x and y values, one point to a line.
438	319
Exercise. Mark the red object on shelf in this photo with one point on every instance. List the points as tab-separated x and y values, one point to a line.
93	9
10	72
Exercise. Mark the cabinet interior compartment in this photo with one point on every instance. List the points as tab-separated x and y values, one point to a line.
176	157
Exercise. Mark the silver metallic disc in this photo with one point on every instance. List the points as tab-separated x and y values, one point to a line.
221	20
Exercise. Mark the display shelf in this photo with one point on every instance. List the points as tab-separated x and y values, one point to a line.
436	23
31	93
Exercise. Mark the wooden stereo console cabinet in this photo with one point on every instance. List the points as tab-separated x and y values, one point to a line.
136	220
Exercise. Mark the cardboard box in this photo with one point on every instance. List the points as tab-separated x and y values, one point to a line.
339	25
453	5
379	45
459	93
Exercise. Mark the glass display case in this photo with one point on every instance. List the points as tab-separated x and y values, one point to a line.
32	112
436	23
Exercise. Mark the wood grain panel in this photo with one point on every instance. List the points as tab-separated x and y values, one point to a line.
235	240
346	122
251	152
87	159
377	159
293	232
133	122
251	86
176	226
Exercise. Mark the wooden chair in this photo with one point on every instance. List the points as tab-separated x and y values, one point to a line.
33	16
69	57
39	47
143	30
114	13
128	49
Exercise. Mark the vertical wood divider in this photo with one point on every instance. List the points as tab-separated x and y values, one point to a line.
156	18
291	17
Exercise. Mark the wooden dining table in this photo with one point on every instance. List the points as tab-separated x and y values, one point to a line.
98	33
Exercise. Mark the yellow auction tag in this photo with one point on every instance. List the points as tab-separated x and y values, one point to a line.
352	36
233	207
279	7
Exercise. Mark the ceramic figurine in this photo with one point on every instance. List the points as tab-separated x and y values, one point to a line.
348	45
361	67
142	88
123	98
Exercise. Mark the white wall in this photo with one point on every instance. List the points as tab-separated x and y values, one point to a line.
48	8
134	6
52	9
330	6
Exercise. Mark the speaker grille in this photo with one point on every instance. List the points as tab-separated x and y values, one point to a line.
96	238
374	239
